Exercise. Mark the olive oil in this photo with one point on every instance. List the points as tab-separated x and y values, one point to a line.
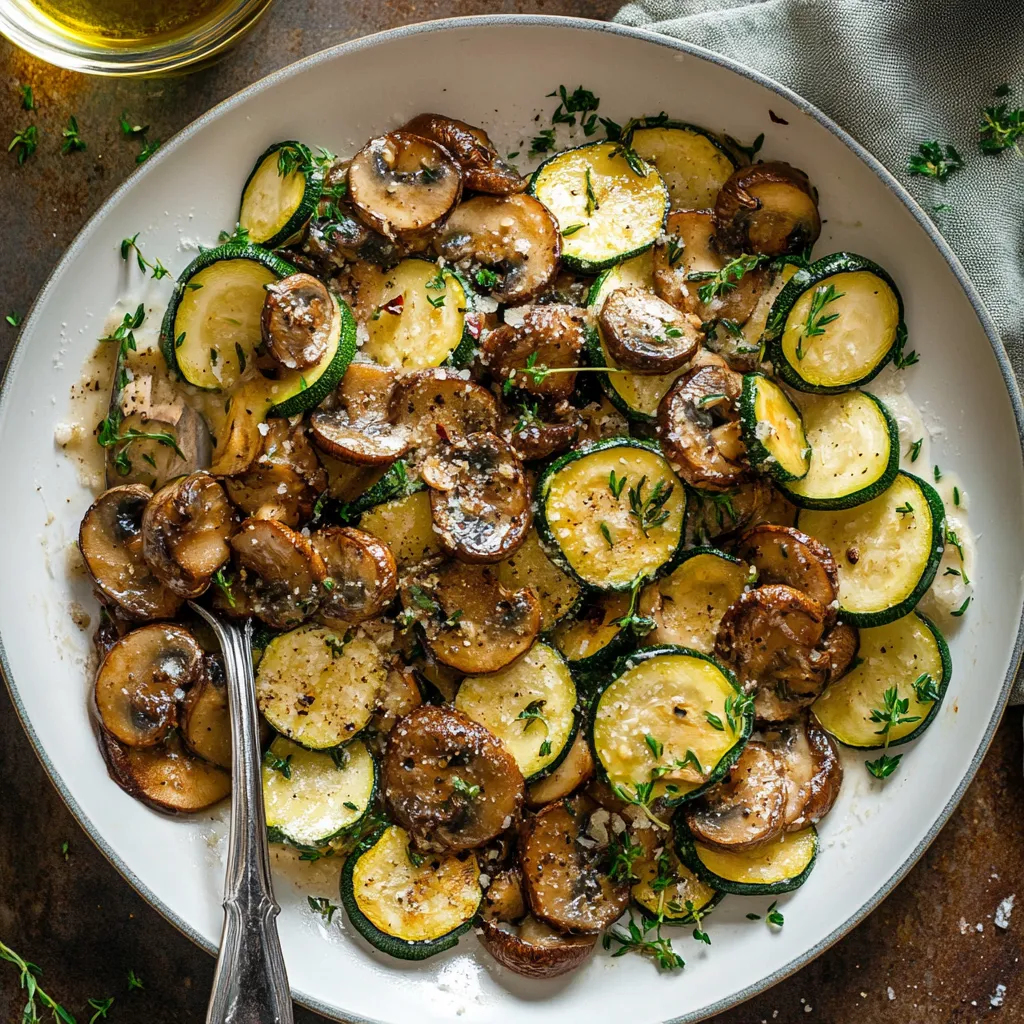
127	23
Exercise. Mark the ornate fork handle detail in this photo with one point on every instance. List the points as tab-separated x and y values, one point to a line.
250	985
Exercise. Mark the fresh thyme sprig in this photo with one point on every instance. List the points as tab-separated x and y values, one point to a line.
111	435
623	853
931	161
24	143
892	713
884	766
638	625
102	1008
817	321
637	939
27	99
130	245
323	906
538	374
28	981
1001	127
721	281
650	512
73	141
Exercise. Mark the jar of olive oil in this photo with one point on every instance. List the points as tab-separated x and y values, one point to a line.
127	37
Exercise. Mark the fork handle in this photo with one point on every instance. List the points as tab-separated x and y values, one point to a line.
250	984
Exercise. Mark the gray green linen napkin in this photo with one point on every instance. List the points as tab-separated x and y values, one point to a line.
895	73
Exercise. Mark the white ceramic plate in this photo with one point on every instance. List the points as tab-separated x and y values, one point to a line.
496	72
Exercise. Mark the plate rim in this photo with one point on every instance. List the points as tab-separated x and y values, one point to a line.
585	25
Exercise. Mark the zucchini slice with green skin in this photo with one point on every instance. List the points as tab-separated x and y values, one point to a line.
635	395
607	212
420	319
405	524
896	656
773	429
408	905
779	866
669	901
835	325
275	206
312	797
609	538
529	705
692	162
855	451
668	706
592	640
395	483
316	689
689	603
558	593
887	550
211	330
212	325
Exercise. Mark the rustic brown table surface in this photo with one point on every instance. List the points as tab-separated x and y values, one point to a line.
930	954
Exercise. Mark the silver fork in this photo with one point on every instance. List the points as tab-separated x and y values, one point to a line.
250	984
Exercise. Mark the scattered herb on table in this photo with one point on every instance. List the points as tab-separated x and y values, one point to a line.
134	981
932	161
29	982
130	130
13	318
102	1008
73	141
28	101
24	143
149	147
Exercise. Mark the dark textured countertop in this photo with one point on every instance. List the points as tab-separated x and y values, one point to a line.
931	954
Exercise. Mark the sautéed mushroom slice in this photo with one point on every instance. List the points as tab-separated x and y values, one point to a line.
811	768
361	575
647	335
296	321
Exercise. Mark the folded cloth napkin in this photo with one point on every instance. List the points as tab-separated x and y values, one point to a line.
895	73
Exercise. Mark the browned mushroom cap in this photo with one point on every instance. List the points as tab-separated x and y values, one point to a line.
436	404
574	770
532	949
482	169
535	438
285	480
710	516
699	427
185	532
563	878
277	575
841	643
296	321
767	208
141	680
550	337
404	186
469	620
396	698
479	497
205	722
110	539
812	771
646	334
166	777
782	554
353	424
770	638
362	575
688	248
746	808
513	236
448	782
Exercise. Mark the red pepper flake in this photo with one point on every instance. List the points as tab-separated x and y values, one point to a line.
442	433
394	307
474	325
775	117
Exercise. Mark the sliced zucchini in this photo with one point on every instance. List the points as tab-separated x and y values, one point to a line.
418	317
896	656
688	604
669	901
887	549
855	451
633	394
408	905
312	797
692	162
594	638
769	870
668	707
608	538
211	329
406	526
556	590
606	210
773	430
835	324
530	706
396	482
280	194
317	689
